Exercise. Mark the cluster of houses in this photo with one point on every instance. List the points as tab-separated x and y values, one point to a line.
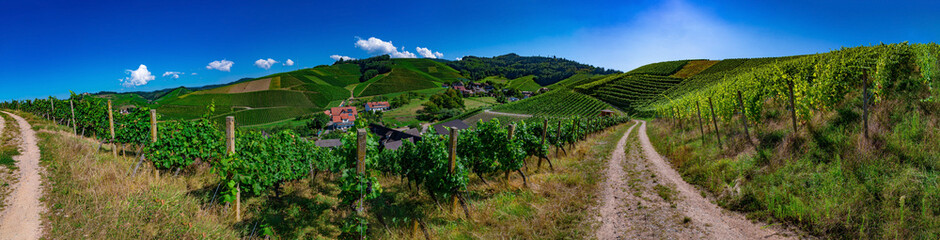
345	117
471	88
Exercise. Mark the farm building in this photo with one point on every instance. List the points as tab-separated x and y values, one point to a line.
607	112
390	138
341	117
377	106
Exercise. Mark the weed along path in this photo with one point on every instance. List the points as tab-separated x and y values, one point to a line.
669	207
644	198
611	196
21	217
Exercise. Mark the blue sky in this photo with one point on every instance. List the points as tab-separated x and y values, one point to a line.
51	47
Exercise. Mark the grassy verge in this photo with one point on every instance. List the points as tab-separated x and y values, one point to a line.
9	147
826	178
90	195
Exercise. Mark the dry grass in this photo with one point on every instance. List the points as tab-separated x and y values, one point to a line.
90	195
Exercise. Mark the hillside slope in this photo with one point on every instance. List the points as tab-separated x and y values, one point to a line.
827	168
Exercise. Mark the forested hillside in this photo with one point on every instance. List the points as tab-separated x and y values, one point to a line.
547	70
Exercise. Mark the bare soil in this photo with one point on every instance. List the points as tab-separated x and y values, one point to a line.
21	217
253	86
645	198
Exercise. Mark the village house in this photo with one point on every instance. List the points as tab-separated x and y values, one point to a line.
377	106
341	117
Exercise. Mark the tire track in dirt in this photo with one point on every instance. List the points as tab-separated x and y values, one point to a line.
613	193
716	222
21	218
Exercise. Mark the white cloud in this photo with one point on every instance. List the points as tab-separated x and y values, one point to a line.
174	74
266	64
138	77
221	65
427	53
194	73
378	47
289	62
338	57
403	54
458	59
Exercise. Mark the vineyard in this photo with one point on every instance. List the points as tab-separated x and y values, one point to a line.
628	91
661	68
817	82
250	164
840	144
558	102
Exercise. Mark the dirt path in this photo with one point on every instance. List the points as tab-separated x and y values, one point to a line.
716	222
609	216
644	198
21	218
508	114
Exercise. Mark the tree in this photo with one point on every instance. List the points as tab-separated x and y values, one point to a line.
318	121
369	74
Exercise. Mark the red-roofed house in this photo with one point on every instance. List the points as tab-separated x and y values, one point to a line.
341	117
377	106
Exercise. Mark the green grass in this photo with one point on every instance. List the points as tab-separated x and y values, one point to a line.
825	179
526	83
478	102
9	147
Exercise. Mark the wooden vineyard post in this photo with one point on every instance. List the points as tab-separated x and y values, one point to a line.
153	136
230	149
744	117
700	126
452	156
52	104
574	132
74	127
865	100
542	142
361	136
558	139
111	128
792	105
714	121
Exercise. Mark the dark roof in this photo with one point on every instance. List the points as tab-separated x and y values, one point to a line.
413	131
607	110
460	125
391	138
329	143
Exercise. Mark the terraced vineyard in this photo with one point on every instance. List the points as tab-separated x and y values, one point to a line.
559	102
628	91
